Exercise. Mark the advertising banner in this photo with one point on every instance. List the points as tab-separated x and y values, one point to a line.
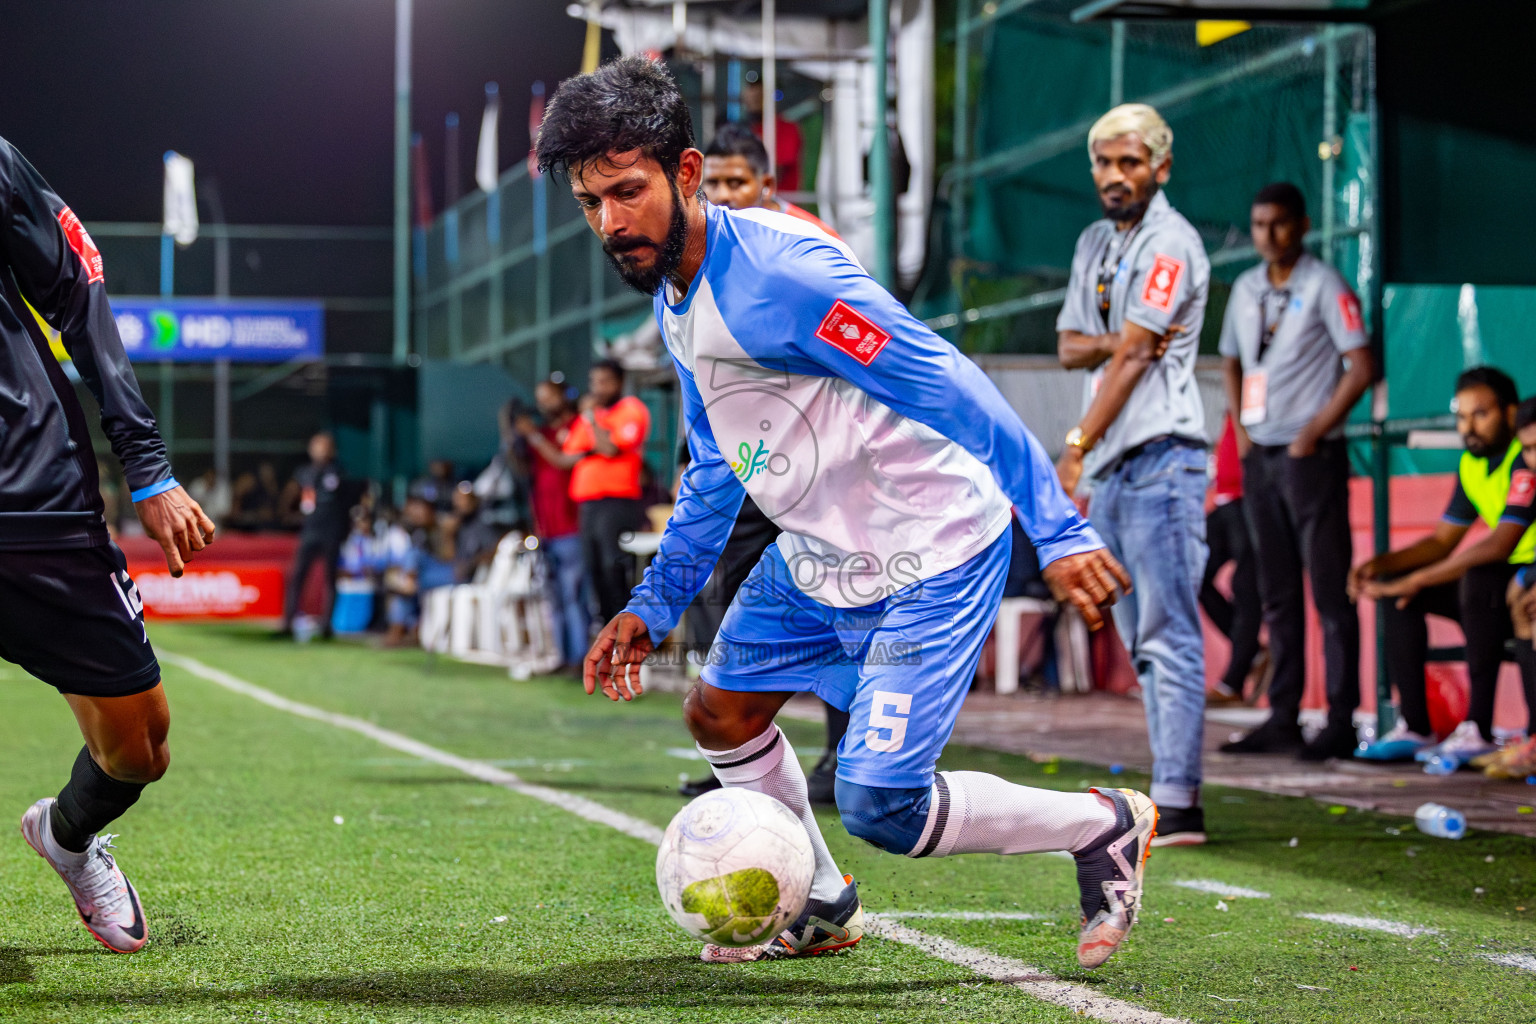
215	591
202	330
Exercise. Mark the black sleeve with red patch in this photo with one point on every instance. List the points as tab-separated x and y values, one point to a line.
1520	506
54	266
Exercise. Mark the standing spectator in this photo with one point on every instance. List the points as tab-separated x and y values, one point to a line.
1296	360
605	481
1135	304
786	134
1226	533
1468	587
323	505
555	517
474	538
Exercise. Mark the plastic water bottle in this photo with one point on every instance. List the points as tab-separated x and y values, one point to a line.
1440	821
1442	764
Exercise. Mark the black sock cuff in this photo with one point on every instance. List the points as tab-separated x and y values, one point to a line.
105	784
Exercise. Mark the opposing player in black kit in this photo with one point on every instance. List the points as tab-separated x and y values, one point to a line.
69	613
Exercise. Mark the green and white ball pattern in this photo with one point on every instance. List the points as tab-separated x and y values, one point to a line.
734	867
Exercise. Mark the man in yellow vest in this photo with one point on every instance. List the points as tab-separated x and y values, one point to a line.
1469	587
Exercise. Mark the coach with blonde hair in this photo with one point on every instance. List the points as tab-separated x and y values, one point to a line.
1132	318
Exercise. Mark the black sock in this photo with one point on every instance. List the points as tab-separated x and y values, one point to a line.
837	724
1525	656
89	802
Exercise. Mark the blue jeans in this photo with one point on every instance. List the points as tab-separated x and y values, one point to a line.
1150	511
567	574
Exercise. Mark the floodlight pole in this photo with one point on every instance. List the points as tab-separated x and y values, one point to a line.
771	86
402	302
880	145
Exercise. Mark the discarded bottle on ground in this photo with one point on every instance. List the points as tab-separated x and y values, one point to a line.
1442	764
1441	821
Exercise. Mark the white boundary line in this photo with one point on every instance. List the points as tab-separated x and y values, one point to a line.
1523	961
1031	980
1374	924
960	915
1216	888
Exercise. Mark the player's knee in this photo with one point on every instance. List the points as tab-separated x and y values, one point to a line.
142	763
890	819
723	728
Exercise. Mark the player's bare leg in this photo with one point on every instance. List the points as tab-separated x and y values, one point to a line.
125	750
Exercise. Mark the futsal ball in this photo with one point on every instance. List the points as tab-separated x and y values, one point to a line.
735	867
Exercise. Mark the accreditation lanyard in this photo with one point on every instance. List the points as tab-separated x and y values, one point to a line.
1267	328
1109	266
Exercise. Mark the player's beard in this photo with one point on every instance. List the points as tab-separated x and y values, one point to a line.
648	280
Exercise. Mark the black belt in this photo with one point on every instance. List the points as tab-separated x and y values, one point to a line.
1158	443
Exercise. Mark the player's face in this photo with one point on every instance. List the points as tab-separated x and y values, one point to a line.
1484	427
1125	178
731	181
638	213
1527	438
1276	234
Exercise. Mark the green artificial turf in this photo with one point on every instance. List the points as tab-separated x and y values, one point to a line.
296	871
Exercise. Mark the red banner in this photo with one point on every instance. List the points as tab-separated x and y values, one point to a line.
210	591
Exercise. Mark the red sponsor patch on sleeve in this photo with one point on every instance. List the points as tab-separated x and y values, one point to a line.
80	242
1162	283
1349	310
847	329
1522	488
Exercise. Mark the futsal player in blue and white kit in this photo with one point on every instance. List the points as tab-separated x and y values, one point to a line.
891	464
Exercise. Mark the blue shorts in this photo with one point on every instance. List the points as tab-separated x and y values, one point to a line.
901	667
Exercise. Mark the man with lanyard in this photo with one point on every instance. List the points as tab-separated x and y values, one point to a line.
889	462
1296	359
1134	307
325	511
1468	587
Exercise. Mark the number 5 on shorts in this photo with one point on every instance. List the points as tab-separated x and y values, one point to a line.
895	724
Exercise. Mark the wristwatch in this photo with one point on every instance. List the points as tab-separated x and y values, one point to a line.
1075	439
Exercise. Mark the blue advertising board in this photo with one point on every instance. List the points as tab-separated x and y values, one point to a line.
202	330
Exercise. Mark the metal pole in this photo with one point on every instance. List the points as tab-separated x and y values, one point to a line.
770	86
880	145
962	150
1330	132
450	160
221	411
1381	485
1116	62
167	417
402	335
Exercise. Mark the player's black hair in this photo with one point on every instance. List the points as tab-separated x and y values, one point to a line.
613	366
1492	378
1525	413
628	103
1286	196
736	139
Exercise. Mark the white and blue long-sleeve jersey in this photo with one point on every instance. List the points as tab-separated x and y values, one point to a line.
883	454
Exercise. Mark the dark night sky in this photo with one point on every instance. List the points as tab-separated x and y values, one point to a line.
289	104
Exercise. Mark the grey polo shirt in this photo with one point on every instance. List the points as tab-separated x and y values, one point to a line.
1160	277
1312	322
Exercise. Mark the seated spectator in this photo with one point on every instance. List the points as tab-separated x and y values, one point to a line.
437	486
1468	587
397	566
500	486
253	499
474	539
212	494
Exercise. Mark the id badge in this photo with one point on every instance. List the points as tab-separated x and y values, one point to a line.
1255	398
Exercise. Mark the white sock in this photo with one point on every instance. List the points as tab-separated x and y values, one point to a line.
767	764
59	855
972	812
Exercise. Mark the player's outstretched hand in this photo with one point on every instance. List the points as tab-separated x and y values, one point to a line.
614	660
178	524
1090	582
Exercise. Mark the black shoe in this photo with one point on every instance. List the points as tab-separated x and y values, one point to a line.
698	787
1180	826
1338	739
821	785
1270	738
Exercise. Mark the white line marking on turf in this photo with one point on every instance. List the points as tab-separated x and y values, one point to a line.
1374	924
1220	889
1031	980
577	805
1524	961
962	915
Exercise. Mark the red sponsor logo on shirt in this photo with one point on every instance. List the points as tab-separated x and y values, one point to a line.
848	329
1163	283
1349	309
80	241
1522	488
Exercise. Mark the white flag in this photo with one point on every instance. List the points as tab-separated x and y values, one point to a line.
180	199
487	158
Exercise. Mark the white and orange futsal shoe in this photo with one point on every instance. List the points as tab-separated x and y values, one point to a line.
104	898
1109	875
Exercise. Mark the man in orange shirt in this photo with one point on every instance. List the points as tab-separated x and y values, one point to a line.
736	175
603	449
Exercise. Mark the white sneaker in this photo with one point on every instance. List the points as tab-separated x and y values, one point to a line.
105	900
1463	744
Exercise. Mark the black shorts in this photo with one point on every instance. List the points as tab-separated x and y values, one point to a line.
73	618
